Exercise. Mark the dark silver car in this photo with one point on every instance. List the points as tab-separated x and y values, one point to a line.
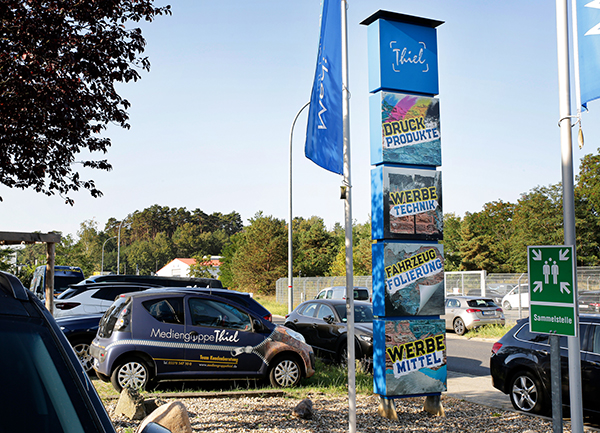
464	313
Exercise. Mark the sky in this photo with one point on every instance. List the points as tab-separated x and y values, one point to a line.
210	122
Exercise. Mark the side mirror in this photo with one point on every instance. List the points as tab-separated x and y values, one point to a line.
155	428
257	325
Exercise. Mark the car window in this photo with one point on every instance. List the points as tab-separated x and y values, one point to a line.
361	295
110	293
481	303
206	312
309	310
452	303
329	294
321	295
325	311
525	335
43	395
166	310
362	313
596	339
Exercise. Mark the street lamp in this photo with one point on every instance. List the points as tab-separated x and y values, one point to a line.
290	248
119	247
102	266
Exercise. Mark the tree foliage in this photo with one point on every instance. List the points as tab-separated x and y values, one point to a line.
59	62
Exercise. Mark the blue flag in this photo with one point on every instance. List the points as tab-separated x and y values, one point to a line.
325	130
588	34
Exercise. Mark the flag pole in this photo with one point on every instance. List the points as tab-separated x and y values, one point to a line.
347	188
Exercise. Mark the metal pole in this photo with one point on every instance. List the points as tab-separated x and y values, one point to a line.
562	35
102	265
290	219
348	215
119	248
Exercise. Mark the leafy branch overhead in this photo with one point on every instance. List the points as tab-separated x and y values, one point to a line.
59	62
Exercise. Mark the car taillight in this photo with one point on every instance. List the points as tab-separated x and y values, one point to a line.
269	317
496	347
66	305
473	310
499	309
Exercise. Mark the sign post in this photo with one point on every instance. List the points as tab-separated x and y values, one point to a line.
552	300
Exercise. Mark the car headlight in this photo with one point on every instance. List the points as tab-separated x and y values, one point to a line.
296	335
367	338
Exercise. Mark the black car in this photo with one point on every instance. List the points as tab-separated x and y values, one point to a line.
81	330
520	367
322	322
48	390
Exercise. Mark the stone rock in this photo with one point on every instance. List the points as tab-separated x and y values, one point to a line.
173	416
304	409
131	404
150	405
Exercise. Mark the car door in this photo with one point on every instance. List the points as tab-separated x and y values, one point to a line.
159	331
452	305
305	321
590	369
327	329
222	339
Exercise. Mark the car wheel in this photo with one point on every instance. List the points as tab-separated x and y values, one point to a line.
506	305
285	373
82	350
459	326
526	393
133	373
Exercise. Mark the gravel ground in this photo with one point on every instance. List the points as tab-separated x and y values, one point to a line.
274	414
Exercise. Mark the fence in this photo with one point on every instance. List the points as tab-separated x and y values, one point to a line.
477	283
308	287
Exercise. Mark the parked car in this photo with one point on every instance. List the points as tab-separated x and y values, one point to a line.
94	298
322	322
81	330
190	334
520	367
48	390
339	292
63	277
511	299
464	313
589	301
155	280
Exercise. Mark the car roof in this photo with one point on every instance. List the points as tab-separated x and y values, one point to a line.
487	298
184	290
336	301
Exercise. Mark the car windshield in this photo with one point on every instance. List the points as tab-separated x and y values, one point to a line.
43	394
362	313
481	303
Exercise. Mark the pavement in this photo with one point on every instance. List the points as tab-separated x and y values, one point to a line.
476	389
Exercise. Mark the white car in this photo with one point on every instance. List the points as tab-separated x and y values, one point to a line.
511	299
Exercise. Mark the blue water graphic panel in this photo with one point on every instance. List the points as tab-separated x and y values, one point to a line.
409	357
405	129
408	279
406	203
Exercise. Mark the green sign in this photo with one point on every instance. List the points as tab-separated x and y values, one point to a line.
551	289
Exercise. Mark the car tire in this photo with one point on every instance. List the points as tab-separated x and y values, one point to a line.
132	373
82	350
526	394
506	305
285	372
459	326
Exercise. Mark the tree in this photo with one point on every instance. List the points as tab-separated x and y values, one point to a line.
361	251
314	247
59	61
452	238
587	211
260	257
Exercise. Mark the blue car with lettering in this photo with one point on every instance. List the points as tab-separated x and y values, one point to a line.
183	334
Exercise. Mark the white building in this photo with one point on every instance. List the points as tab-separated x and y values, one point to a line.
181	267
